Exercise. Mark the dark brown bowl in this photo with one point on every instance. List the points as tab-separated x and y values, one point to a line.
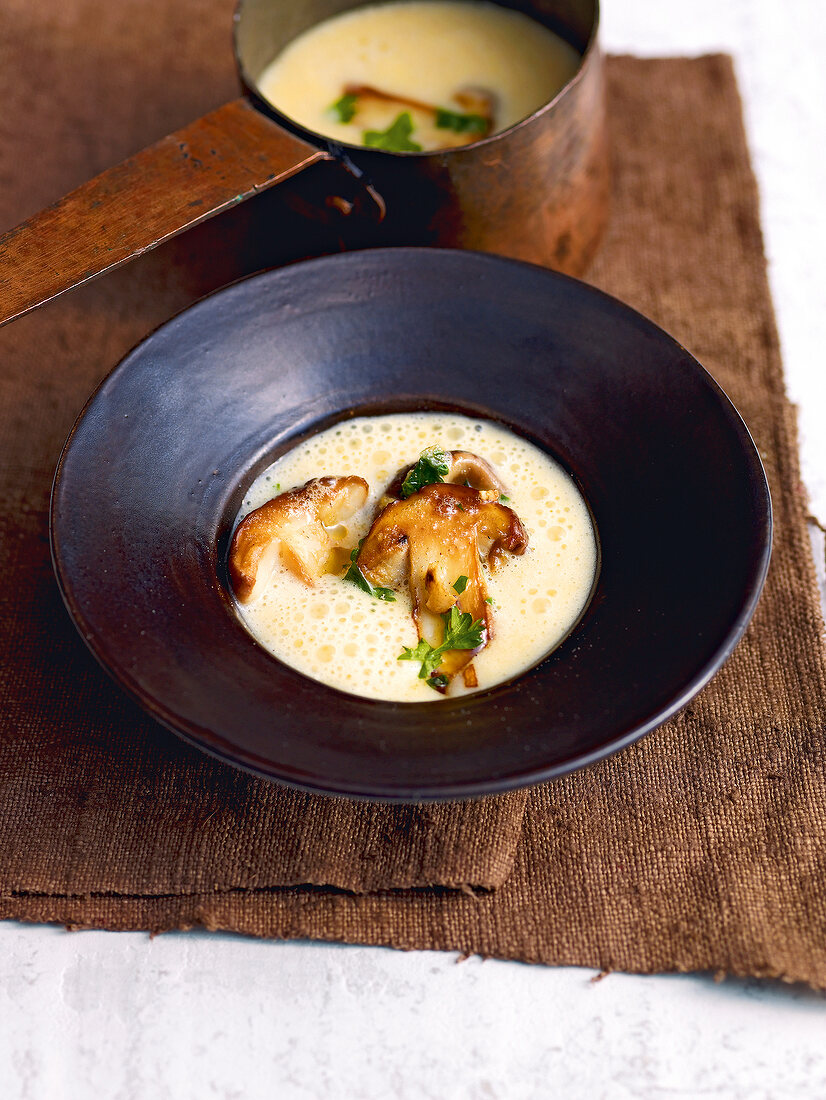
154	471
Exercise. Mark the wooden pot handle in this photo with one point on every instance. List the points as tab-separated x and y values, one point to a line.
220	160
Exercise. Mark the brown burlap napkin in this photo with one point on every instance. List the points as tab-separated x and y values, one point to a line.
94	797
701	847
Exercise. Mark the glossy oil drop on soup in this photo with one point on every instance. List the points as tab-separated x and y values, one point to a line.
419	74
336	633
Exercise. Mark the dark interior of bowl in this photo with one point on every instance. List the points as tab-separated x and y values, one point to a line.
153	473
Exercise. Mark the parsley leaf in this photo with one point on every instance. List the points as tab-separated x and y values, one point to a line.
433	465
503	499
395	139
345	107
461	632
355	575
460	585
424	652
460	124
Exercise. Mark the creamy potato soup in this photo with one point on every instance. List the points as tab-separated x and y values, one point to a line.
535	582
420	74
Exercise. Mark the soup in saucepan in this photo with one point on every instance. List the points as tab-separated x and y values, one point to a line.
419	74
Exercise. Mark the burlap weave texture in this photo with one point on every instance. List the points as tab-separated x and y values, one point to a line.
701	847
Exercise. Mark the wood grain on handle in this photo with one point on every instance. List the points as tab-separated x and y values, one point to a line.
220	160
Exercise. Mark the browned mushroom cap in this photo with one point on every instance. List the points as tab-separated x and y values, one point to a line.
297	525
466	468
473	100
433	538
478	101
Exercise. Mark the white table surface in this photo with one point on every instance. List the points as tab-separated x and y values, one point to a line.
117	1015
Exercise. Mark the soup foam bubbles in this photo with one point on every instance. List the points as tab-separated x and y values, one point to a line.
346	638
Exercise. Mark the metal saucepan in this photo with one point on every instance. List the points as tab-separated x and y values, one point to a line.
537	191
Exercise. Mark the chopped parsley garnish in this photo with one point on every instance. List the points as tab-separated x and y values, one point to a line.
460	585
427	654
461	632
345	108
396	138
504	499
431	469
459	123
355	575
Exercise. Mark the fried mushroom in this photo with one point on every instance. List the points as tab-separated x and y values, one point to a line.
466	468
300	526
431	539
